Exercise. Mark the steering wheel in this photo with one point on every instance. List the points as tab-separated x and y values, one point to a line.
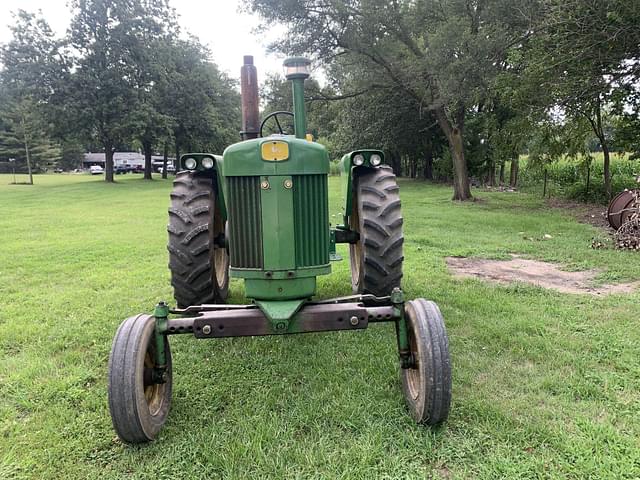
275	116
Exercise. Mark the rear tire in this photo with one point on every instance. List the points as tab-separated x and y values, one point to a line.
199	268
427	386
138	406
376	259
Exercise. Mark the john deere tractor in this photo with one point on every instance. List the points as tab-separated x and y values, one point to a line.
260	212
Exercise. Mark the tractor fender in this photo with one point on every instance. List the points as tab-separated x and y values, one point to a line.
349	172
215	173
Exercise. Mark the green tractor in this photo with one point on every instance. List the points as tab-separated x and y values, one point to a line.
260	212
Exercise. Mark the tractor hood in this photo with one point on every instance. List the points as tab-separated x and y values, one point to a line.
275	155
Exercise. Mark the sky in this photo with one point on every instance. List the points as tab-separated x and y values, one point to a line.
217	23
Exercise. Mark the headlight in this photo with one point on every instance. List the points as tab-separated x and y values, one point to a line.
190	163
207	162
375	159
358	159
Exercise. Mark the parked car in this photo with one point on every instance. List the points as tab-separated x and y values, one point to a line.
58	170
96	170
122	169
137	169
170	169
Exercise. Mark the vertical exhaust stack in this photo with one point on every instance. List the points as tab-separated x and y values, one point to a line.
297	70
250	99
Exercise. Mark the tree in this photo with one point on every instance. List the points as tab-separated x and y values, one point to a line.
24	136
503	129
71	155
625	119
30	71
157	26
202	103
442	53
583	53
320	105
112	74
393	121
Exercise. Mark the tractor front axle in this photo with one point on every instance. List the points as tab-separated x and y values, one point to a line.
249	320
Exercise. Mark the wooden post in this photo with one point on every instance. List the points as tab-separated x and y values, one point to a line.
588	178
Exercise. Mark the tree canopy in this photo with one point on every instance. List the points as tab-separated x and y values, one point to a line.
452	90
123	76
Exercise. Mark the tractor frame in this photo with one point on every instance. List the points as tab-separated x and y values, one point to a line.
266	220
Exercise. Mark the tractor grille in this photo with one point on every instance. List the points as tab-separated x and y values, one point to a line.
310	206
245	222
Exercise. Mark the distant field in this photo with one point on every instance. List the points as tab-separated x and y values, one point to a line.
546	385
568	178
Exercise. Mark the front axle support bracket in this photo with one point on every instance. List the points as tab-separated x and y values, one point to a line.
161	314
404	349
228	321
346	313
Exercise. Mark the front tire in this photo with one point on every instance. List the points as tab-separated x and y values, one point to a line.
199	268
427	385
138	405
376	259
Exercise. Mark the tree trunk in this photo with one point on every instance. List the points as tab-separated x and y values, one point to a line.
428	165
502	173
605	152
413	166
396	159
396	164
606	169
165	159
461	189
513	177
146	146
108	162
491	177
26	150
599	131
177	148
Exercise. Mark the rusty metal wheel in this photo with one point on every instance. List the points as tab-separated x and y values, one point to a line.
138	401
427	385
622	207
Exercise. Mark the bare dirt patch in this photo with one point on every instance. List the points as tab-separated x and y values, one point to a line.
589	213
543	274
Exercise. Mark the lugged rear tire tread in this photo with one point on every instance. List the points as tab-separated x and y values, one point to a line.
380	227
190	229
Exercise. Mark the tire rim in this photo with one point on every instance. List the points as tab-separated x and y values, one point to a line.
153	392
221	260
219	256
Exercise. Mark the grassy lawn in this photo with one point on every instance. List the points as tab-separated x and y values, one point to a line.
546	385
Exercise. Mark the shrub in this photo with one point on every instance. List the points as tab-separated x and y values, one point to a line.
569	179
334	167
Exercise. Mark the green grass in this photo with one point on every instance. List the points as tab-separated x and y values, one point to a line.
546	385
